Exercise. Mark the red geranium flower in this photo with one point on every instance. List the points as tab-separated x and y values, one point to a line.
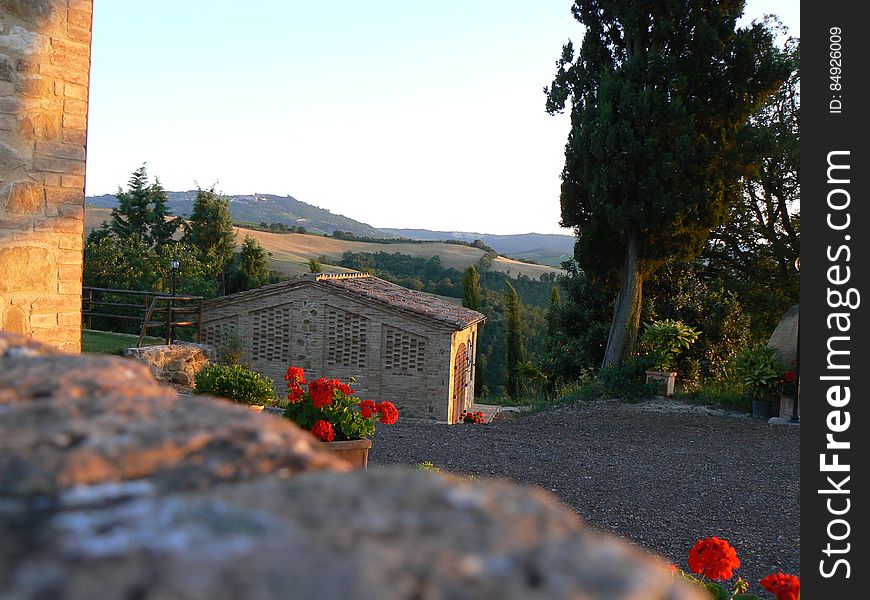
784	587
295	376
342	387
321	392
389	413
367	408
322	430
713	558
790	376
295	394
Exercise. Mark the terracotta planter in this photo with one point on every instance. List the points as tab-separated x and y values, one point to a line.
355	452
664	380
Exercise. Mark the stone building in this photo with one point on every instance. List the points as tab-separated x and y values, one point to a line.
414	349
44	71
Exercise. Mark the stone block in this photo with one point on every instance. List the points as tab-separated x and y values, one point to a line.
7	68
40	125
24	198
8	123
27	268
13	320
73	181
75	136
43	321
59	165
56	195
78	76
60	225
53	149
79	18
33	86
78	34
19	40
75	121
75	91
35	11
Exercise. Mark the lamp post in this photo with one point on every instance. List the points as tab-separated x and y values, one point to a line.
797	360
174	264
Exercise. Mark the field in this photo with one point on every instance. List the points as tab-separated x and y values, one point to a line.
290	252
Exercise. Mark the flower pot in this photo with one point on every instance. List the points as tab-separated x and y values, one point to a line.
664	380
355	452
761	409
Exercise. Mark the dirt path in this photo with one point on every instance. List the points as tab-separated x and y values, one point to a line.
658	474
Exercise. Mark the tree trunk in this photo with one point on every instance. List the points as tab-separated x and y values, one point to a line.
622	339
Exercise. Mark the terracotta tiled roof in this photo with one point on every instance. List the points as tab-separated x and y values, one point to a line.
397	297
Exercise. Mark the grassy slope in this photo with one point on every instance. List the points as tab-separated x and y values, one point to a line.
291	251
104	342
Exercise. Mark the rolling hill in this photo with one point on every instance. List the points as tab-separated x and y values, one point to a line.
290	252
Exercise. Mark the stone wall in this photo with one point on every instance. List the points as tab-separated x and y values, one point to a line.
178	363
44	73
113	486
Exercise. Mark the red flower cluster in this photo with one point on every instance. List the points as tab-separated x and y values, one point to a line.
713	558
477	417
295	379
790	376
322	430
784	587
389	412
367	408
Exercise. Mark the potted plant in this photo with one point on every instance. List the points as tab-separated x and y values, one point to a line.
331	412
236	383
663	341
760	372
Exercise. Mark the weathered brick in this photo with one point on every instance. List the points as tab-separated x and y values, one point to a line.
40	125
85	6
59	165
50	305
69	257
24	198
71	242
22	65
62	58
69	319
45	320
70	75
72	106
75	121
79	18
51	179
60	225
76	211
75	91
70	273
21	223
33	86
71	48
72	181
64	195
27	268
75	136
78	34
65	288
7	68
71	151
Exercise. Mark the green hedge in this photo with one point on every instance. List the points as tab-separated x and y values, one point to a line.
237	383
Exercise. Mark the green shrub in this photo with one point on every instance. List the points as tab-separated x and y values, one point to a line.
231	349
627	381
722	394
665	339
236	383
759	370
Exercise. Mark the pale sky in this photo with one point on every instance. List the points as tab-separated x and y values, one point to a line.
397	113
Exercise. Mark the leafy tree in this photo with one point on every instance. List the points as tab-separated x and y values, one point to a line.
315	266
471	292
753	253
211	232
251	266
142	211
515	350
658	93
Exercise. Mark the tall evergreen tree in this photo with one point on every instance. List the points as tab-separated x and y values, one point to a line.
515	350
161	224
211	231
658	93
131	216
471	291
253	266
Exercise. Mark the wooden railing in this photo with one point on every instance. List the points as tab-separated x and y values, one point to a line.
151	309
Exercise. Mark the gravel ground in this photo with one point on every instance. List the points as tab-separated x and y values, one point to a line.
659	474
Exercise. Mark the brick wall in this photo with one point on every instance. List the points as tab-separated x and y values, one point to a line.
44	72
404	360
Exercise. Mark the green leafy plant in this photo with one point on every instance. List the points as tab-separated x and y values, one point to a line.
664	340
231	348
330	410
759	370
236	383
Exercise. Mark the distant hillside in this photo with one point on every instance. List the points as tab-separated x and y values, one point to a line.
264	208
551	249
290	252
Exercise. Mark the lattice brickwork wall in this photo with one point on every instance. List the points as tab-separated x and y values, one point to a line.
346	339
44	73
272	334
404	353
215	333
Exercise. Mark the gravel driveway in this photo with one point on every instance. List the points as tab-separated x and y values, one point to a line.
659	474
